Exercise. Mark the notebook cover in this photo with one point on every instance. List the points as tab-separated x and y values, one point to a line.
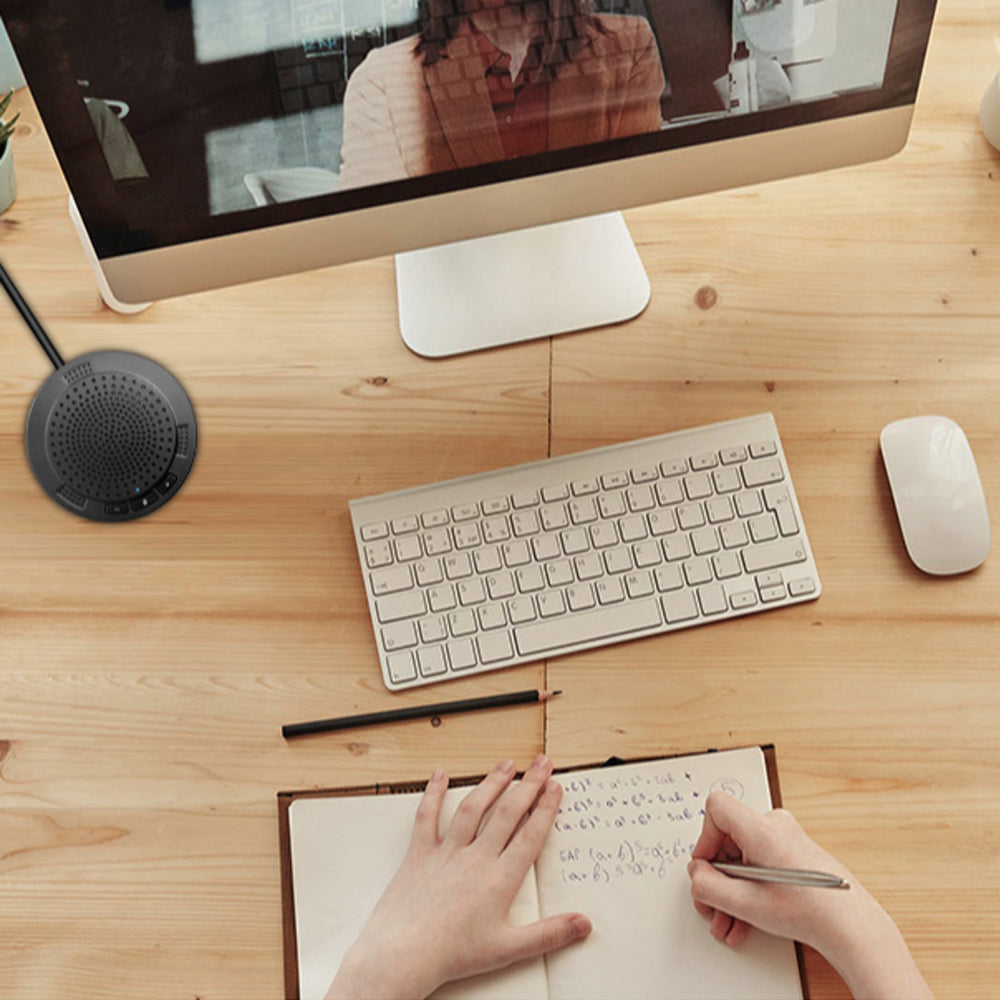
285	800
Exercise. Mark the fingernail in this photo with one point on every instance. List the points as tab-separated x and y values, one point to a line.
438	776
552	788
506	765
581	927
541	762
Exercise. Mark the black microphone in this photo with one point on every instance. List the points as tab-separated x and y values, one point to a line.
110	435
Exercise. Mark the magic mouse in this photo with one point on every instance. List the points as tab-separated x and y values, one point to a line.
939	498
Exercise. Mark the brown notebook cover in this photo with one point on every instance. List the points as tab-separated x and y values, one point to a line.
285	799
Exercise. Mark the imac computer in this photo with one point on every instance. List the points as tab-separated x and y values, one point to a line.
489	144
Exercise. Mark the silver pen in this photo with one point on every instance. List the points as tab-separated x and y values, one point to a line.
784	876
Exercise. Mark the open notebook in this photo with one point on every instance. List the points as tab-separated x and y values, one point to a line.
618	852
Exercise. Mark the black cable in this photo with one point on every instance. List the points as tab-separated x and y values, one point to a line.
29	317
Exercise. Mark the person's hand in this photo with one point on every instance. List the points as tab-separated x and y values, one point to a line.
848	927
445	915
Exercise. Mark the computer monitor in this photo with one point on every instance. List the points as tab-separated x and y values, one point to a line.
212	142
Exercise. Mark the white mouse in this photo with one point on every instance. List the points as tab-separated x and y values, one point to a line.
939	497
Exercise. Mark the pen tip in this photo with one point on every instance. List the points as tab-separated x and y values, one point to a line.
546	695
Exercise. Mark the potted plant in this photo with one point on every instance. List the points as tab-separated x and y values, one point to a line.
8	182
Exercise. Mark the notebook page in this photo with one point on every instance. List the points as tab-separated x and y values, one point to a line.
345	850
619	854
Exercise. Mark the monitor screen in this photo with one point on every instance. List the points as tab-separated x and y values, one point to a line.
179	121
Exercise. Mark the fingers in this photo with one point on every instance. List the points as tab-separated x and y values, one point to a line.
711	890
544	936
425	824
725	818
469	815
526	844
514	805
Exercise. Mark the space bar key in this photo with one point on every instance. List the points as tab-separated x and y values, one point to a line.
573	630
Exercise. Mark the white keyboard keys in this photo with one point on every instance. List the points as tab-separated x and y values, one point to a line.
581	550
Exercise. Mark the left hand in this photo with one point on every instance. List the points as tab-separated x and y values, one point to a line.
445	915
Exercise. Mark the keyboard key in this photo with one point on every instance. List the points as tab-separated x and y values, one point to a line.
588	626
668	578
545	547
524	523
802	586
433	629
559	574
690	515
401	667
727	480
434	518
603	535
646	554
618	560
612	504
769	595
719	509
494	647
773	555
748	504
389	581
372	532
496	529
407	548
501	585
378	554
676	547
465	512
441	598
583	487
661	522
487	560
678	606
521	609
525	498
759	449
614	480
645	474
763	528
491	616
762	472
515	553
551	494
457	566
744	599
588	566
437	542
704	541
778	500
733	535
712	600
470	592
461	654
573	541
698	486
431	661
640	498
554	518
674	467
633	529
395	607
529	579
580	597
402	635
427	572
730	456
698	571
551	604
669	492
609	591
639	584
462	623
498	505
706	461
582	511
467	536
404	525
727	565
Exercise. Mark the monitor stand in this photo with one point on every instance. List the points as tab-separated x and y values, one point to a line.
517	286
107	296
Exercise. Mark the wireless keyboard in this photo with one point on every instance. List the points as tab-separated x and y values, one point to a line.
582	550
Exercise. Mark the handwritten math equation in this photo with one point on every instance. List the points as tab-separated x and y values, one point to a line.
638	826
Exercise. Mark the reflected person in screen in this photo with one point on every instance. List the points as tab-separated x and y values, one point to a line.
445	915
489	80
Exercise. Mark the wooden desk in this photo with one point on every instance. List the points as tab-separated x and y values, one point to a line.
145	669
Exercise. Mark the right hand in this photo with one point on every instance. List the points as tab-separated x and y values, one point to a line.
848	927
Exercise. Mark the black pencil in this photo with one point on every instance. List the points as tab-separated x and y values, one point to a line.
416	712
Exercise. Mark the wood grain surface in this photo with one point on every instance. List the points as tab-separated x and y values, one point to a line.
145	668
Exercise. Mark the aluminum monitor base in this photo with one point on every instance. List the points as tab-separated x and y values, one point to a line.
517	286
